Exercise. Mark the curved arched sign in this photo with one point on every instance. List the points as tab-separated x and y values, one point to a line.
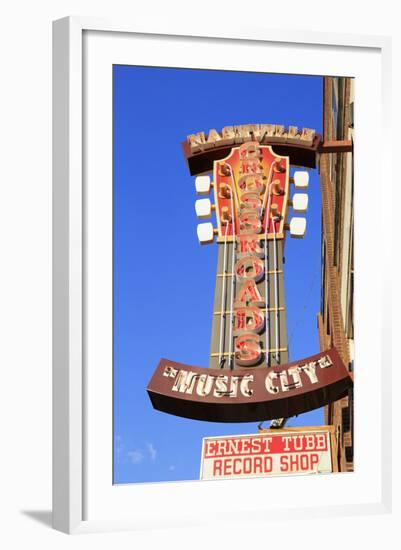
249	394
299	144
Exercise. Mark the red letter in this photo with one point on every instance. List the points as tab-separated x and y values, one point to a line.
250	200
249	319
314	459
249	294
249	267
217	467
250	222
247	349
248	244
257	465
237	461
252	183
284	463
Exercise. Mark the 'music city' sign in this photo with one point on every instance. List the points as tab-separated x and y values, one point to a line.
276	452
249	394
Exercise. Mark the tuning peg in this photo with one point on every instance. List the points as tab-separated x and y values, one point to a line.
301	180
276	188
203	208
279	166
274	210
225	215
205	233
297	227
300	202
203	185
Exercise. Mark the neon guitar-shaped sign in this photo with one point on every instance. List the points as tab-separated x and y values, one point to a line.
251	189
249	346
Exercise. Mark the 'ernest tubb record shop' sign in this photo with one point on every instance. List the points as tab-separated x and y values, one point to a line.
249	377
271	452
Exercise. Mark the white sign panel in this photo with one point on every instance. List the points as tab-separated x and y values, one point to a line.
270	453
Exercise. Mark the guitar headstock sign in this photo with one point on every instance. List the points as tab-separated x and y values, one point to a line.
249	377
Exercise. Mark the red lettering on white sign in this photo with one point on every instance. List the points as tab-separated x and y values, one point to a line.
274	453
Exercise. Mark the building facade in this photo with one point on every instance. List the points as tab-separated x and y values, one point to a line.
335	319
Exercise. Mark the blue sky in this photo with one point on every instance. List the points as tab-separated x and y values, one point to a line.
163	279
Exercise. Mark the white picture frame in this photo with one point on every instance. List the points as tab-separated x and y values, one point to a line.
83	48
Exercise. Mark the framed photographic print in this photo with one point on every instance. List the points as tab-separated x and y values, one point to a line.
215	226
